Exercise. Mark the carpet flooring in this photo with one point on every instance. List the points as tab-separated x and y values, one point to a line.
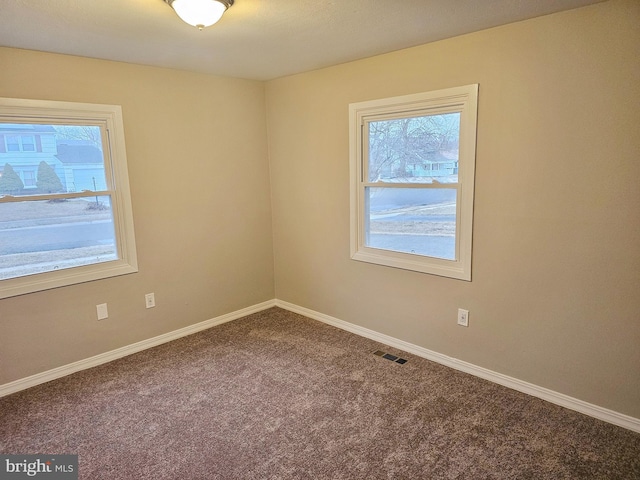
279	396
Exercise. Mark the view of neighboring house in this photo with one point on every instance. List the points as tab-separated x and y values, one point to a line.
83	165
434	164
78	163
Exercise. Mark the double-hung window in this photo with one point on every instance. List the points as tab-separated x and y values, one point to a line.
65	207
20	143
412	181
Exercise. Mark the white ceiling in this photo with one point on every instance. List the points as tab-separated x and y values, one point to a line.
256	39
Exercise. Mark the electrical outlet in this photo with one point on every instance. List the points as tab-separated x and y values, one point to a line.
463	317
102	311
150	300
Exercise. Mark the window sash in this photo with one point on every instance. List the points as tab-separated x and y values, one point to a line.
461	100
109	119
364	230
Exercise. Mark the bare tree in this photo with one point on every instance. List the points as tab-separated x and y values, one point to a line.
398	146
81	132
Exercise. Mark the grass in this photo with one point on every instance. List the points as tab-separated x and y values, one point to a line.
43	212
415	226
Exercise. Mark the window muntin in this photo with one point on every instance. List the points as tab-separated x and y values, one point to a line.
412	168
66	216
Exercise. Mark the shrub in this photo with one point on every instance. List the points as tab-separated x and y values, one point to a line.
48	181
10	183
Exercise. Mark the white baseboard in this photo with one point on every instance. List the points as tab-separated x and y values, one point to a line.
33	380
566	401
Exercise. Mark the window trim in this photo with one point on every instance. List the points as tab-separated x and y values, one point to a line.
20	143
43	111
462	99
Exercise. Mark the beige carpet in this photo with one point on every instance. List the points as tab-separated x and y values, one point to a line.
279	396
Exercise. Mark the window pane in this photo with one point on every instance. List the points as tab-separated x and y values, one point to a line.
28	143
415	150
65	158
29	178
420	221
42	236
13	143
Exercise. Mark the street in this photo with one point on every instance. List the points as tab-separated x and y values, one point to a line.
62	236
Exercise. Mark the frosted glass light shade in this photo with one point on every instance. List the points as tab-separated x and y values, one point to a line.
200	13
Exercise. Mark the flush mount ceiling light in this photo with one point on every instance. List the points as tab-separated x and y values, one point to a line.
200	13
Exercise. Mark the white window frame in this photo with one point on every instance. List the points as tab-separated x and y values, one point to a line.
32	142
458	99
23	177
20	142
109	118
18	137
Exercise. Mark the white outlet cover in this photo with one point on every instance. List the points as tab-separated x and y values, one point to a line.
150	300
102	311
463	317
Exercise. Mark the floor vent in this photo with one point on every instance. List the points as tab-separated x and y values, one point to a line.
388	356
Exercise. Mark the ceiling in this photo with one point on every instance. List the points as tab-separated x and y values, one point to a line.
256	39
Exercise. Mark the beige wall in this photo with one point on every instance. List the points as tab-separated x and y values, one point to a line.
197	156
555	297
556	270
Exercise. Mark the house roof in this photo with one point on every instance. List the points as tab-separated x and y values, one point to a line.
25	128
78	152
